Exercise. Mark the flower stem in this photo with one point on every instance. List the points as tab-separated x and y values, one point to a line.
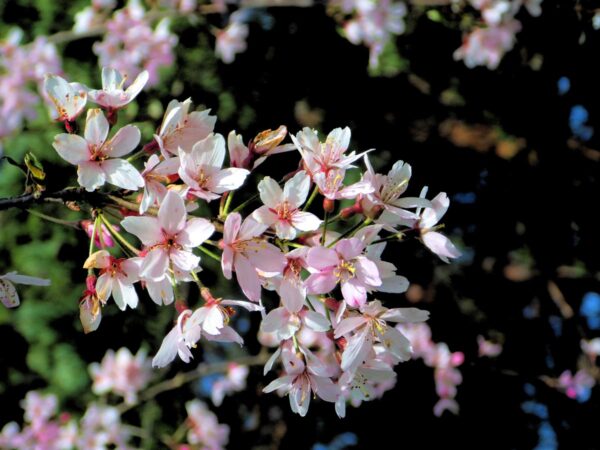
118	236
325	222
209	253
68	223
246	203
352	230
312	197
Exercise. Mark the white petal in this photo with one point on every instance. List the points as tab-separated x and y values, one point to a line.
145	228
96	127
270	192
296	189
90	175
71	148
172	214
122	174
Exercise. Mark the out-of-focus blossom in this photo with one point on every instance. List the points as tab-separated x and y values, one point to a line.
578	386
488	348
131	46
103	237
231	40
204	429
8	294
121	373
233	381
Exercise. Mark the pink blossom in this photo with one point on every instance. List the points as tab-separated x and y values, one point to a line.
281	209
90	313
130	45
205	430
231	40
345	264
201	169
112	96
169	238
98	159
575	385
245	251
121	373
486	46
370	325
182	129
8	294
284	324
233	381
387	190
305	375
103	237
178	341
117	276
157	172
488	348
331	185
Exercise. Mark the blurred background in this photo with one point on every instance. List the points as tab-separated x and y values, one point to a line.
515	148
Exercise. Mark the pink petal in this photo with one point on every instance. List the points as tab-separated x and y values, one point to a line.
122	174
292	293
322	258
172	214
155	264
367	271
321	283
354	293
285	230
350	248
231	227
227	262
124	294
247	278
124	142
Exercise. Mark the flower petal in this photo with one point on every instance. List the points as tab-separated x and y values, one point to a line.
122	174
71	148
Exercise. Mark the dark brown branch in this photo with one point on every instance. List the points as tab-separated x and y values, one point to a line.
65	195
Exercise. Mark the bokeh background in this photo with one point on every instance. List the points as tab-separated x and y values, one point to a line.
514	148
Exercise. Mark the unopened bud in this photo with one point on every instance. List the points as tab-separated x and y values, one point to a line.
328	204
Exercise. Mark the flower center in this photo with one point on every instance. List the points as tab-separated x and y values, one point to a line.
344	271
284	211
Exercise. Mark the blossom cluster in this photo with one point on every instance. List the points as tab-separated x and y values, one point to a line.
444	362
17	101
486	44
46	427
278	240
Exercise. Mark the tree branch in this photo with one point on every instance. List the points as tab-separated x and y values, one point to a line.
65	195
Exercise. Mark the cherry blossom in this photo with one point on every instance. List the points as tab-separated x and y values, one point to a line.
231	40
112	95
182	129
98	159
204	428
345	264
281	209
155	173
169	238
117	276
69	98
121	373
201	169
245	251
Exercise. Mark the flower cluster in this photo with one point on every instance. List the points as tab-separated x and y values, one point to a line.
100	427
121	373
486	45
18	102
332	338
437	355
131	45
371	23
